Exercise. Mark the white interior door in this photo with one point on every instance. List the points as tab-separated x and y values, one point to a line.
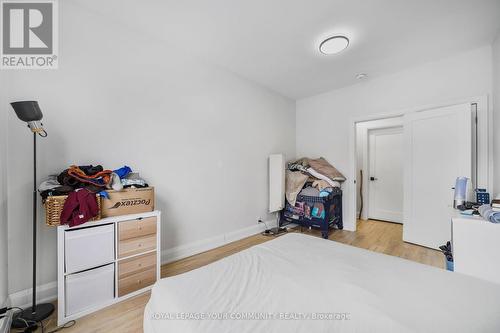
438	145
385	186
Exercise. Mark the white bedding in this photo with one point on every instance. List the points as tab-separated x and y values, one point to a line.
298	275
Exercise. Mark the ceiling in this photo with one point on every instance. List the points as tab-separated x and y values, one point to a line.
275	42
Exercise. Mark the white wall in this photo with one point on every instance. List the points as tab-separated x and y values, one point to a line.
496	113
3	194
198	133
323	121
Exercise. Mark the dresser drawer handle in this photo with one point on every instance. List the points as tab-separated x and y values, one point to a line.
139	245
139	281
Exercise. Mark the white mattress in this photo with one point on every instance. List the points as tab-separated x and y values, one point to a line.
298	275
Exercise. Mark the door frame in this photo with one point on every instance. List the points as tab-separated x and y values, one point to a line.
367	162
485	140
390	122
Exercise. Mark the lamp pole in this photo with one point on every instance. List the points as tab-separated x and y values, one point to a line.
29	112
33	308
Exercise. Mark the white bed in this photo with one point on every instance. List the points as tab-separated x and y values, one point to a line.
298	275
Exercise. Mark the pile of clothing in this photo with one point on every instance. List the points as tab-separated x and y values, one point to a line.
81	184
310	178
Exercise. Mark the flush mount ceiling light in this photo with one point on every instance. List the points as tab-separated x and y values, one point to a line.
361	76
333	45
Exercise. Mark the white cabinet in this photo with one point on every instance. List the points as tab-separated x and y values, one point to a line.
103	262
89	289
476	248
89	247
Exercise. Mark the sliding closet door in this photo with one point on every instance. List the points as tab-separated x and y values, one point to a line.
438	146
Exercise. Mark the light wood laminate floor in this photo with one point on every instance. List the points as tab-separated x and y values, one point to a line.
377	236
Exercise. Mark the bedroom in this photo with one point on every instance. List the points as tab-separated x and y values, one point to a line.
195	97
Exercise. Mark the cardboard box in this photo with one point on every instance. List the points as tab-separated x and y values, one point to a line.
128	201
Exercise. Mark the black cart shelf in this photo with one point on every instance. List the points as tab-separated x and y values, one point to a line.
333	213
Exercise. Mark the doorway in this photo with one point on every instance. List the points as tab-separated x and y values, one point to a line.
440	143
380	163
385	174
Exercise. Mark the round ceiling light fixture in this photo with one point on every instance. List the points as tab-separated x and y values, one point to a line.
361	76
333	45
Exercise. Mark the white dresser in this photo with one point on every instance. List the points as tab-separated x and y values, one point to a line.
103	262
476	247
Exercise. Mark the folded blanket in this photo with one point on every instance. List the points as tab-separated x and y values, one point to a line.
321	184
321	166
489	214
295	181
316	174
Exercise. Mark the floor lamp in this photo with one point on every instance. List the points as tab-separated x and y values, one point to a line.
29	112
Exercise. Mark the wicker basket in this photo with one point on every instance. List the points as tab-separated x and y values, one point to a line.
54	206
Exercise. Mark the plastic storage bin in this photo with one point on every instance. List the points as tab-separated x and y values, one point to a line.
89	289
89	247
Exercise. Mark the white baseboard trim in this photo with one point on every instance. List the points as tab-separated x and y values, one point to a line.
187	250
246	232
349	228
45	293
48	292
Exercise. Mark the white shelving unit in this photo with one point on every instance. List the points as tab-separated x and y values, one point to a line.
103	262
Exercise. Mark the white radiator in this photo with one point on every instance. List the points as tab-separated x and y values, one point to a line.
276	182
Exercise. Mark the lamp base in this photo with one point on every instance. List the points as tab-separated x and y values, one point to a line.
42	311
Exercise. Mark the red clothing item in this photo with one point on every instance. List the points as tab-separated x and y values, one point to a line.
79	207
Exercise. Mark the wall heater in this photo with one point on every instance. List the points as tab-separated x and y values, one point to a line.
276	182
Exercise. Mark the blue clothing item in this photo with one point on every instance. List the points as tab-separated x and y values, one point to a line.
315	213
324	194
123	171
104	194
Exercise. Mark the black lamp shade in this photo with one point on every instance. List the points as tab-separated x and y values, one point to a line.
27	110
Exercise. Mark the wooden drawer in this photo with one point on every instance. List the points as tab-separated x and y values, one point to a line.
136	281
134	265
137	228
130	247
